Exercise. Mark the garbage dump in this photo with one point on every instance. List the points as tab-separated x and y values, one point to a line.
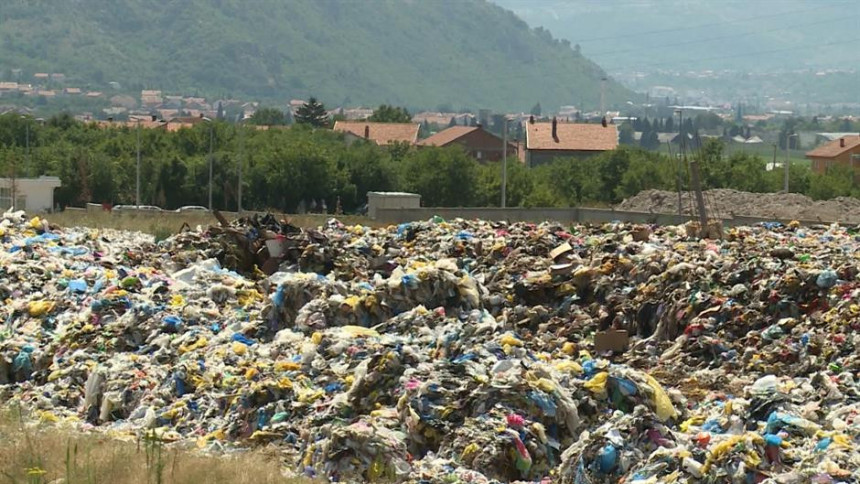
450	351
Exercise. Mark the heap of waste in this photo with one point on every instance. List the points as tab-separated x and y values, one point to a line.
461	351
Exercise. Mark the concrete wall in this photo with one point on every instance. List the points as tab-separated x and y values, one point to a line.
34	195
563	215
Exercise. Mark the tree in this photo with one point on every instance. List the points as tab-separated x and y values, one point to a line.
390	114
536	110
268	117
312	113
669	126
625	134
445	177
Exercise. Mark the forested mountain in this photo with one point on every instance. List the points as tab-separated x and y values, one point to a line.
427	54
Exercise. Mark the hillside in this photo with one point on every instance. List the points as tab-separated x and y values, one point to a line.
445	53
702	34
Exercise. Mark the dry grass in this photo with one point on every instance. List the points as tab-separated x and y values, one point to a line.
166	224
44	453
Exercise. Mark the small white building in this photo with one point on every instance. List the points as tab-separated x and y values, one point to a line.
376	200
33	195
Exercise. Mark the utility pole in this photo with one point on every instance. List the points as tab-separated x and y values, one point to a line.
787	144
241	162
678	173
700	198
505	162
603	96
27	166
137	184
211	141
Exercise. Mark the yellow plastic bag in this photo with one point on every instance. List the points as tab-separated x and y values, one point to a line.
358	331
40	308
662	403
597	384
511	340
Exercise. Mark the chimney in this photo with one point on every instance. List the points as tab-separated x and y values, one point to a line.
110	119
842	142
201	116
554	129
154	118
366	131
531	119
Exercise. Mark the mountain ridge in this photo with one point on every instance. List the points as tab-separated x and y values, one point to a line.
451	54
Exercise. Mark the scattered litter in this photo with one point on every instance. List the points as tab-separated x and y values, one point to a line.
450	351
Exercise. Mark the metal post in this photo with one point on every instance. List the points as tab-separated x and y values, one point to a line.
700	198
137	184
241	162
505	163
678	173
27	166
787	144
211	137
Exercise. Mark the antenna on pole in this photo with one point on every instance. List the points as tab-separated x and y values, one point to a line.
603	96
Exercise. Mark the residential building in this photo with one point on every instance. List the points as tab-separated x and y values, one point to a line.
382	134
547	141
444	119
176	124
42	76
34	195
150	98
843	151
74	91
475	140
8	86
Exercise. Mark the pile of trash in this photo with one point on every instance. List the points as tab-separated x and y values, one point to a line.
450	351
726	202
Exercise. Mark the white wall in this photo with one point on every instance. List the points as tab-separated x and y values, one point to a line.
34	195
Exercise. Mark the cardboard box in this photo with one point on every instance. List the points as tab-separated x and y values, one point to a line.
611	340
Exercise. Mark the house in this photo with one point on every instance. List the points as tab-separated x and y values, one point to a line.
74	91
42	76
547	141
382	134
176	124
844	150
58	77
151	98
8	86
478	142
94	94
33	195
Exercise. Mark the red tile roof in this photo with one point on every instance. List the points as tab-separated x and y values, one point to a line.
571	137
446	136
381	133
833	148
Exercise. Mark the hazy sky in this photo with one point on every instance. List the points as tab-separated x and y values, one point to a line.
703	34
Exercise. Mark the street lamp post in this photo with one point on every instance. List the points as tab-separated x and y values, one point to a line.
787	144
505	162
211	141
241	162
137	175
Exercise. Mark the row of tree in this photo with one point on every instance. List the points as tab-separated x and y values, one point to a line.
283	167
